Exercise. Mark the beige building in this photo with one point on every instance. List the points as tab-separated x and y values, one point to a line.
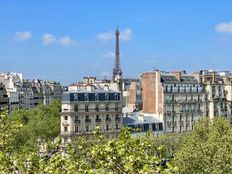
218	88
85	109
176	98
4	101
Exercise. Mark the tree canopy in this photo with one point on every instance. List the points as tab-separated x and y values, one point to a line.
208	149
42	122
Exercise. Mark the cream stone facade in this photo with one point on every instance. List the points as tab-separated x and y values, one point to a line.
85	109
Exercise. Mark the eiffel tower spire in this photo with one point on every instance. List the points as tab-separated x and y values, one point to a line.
117	72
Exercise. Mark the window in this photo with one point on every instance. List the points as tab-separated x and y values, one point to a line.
87	129
76	108
96	97
97	108
160	126
107	127
75	97
86	108
65	128
116	96
76	120
98	118
76	117
65	117
87	119
117	126
107	108
116	107
108	118
146	127
117	118
76	128
86	97
107	96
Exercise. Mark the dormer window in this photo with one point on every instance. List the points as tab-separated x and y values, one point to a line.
107	96
86	97
116	96
75	97
96	97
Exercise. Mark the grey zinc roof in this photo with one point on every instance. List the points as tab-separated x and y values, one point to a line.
134	119
169	79
183	79
98	90
188	79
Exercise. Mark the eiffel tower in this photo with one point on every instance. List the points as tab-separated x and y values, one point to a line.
117	72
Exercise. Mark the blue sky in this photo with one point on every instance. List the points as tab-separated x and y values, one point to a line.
65	40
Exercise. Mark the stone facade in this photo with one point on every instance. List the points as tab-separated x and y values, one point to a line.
4	101
85	109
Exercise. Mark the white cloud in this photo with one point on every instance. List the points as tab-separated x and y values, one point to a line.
49	39
125	35
22	36
66	41
109	55
224	27
105	36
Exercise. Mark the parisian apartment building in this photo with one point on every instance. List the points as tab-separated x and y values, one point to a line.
4	101
25	94
87	108
180	99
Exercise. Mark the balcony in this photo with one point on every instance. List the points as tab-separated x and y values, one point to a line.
77	121
108	119
98	120
117	119
87	120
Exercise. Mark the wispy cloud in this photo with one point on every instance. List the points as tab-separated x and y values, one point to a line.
107	36
49	39
108	55
125	35
22	36
224	27
66	41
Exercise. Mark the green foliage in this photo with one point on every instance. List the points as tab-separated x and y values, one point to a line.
43	122
208	149
123	155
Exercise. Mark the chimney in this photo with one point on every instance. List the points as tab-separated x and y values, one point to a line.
89	87
106	87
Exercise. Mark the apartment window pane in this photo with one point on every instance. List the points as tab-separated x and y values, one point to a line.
76	128
97	108
86	108
146	127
